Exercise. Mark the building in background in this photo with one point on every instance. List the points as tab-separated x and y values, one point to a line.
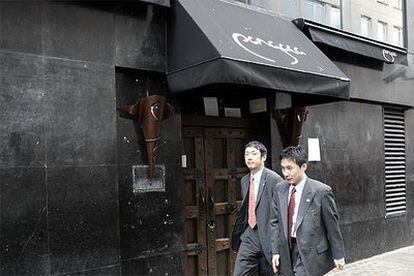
378	19
74	192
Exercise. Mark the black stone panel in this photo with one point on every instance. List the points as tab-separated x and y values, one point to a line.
140	36
23	228
156	265
150	223
79	31
351	143
401	79
397	232
364	239
20	23
388	83
81	108
409	130
368	83
83	218
23	112
113	270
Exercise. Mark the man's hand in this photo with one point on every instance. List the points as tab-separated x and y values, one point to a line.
275	263
340	264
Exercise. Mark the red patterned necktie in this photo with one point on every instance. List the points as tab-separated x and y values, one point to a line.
291	211
252	204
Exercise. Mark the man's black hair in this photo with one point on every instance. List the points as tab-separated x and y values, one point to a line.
257	145
297	154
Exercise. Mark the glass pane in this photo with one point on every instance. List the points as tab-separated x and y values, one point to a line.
335	17
365	26
290	8
382	31
397	35
314	11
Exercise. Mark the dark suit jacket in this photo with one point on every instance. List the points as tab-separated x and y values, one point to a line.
318	235
263	203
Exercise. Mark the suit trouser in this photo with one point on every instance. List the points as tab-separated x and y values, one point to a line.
296	260
250	258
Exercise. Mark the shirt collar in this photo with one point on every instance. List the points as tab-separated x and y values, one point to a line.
257	176
301	184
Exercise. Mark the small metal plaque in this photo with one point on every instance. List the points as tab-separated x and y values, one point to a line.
142	184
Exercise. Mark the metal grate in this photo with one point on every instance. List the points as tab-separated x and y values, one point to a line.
394	151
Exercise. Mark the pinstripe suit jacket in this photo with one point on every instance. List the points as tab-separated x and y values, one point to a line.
318	235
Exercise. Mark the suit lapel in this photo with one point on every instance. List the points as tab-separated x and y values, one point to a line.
245	187
305	202
283	208
262	185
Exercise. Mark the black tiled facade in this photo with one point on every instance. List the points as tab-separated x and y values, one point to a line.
66	154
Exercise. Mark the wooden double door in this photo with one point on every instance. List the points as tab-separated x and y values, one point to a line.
214	153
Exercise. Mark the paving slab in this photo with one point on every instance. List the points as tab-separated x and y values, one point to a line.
399	262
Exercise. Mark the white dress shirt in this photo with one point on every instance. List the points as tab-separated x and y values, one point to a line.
256	181
298	196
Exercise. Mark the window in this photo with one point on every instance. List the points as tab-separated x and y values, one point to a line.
395	170
334	17
315	11
290	8
397	4
397	36
382	31
365	25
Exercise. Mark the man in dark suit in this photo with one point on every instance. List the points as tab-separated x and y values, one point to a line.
306	238
255	251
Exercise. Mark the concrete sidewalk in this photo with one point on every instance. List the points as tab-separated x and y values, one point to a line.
399	262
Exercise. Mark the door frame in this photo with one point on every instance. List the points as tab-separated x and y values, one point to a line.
197	124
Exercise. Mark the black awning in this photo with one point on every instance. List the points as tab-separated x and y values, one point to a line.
158	2
217	41
353	43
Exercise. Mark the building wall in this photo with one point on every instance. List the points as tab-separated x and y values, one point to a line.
65	153
351	142
66	199
374	10
350	134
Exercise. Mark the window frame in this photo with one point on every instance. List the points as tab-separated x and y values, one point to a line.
369	25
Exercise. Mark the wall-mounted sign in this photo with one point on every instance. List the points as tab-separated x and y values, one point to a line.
141	183
257	105
210	106
184	161
232	112
314	151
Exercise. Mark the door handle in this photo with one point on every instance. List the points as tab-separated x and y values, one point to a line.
211	222
231	207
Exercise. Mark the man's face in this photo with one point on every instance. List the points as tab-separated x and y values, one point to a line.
292	172
254	160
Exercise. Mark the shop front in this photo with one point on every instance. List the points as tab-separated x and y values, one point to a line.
236	80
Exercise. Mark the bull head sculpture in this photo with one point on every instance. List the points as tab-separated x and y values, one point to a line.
298	118
290	123
149	112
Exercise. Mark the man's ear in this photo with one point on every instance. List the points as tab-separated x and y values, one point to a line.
304	166
264	158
